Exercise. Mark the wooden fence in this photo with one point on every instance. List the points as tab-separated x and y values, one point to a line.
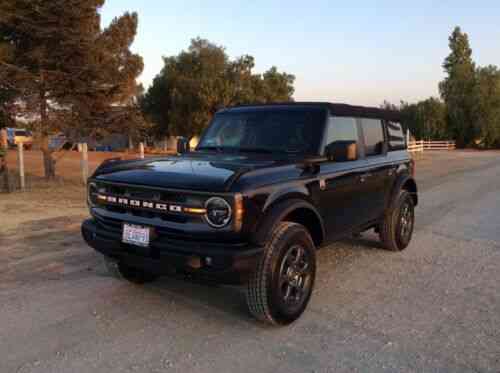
72	165
422	145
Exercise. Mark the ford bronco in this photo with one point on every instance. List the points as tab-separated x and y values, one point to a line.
266	186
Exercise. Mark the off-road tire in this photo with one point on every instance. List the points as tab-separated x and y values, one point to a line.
263	289
390	229
124	272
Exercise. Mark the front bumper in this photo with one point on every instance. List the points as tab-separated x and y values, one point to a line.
218	262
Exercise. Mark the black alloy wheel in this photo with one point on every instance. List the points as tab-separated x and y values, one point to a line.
281	286
396	230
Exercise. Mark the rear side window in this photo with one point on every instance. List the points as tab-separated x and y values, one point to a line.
341	129
373	135
396	136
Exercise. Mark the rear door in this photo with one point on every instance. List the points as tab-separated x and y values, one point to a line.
377	176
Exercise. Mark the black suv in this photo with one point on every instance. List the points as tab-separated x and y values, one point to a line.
266	186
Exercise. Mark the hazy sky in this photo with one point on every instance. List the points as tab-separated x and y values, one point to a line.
359	52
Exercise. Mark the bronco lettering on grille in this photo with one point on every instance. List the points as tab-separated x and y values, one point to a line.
136	203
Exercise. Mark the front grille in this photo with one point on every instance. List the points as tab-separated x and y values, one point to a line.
109	224
151	196
143	194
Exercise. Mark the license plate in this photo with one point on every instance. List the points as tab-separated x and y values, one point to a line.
136	235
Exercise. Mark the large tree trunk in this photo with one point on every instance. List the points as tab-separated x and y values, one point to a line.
49	163
4	175
130	142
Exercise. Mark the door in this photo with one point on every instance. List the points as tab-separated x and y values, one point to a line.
340	200
378	169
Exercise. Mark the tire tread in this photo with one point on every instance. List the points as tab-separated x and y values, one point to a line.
256	291
388	226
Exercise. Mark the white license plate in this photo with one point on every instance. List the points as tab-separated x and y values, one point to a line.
136	235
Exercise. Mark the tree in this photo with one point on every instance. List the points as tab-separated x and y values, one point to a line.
7	107
488	105
458	88
275	86
425	119
106	100
193	85
63	65
155	105
431	119
7	92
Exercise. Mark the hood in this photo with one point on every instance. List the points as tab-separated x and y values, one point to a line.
203	172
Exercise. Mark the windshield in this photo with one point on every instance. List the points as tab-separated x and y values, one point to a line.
290	130
21	133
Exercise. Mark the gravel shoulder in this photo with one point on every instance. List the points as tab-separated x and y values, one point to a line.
432	308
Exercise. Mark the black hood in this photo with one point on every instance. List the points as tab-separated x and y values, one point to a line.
195	171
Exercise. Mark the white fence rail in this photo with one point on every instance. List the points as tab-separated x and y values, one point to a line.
422	145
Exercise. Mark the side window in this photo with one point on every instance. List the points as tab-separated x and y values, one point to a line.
373	135
396	136
341	129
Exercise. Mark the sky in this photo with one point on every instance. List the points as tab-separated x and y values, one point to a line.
357	52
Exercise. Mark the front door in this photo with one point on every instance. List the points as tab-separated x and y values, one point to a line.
341	197
341	187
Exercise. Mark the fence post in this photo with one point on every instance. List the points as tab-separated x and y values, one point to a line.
83	148
20	160
141	150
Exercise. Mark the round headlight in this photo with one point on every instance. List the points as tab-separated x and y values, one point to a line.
218	212
91	194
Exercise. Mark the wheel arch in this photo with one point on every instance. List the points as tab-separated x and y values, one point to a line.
405	182
411	186
296	210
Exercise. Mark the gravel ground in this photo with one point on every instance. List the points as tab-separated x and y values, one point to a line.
432	308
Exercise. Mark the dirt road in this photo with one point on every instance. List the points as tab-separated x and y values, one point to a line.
432	308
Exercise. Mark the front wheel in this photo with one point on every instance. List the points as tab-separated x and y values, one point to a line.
280	288
397	228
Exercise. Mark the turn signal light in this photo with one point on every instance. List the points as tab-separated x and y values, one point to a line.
194	210
238	212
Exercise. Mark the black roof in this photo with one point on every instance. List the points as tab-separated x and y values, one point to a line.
341	110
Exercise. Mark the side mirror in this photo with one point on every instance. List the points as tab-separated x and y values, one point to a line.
182	145
342	151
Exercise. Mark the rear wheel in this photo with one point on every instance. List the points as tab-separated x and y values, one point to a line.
280	288
122	271
397	228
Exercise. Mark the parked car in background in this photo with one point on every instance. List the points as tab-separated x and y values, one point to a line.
16	136
60	142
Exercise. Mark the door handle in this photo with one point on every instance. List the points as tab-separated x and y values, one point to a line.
365	176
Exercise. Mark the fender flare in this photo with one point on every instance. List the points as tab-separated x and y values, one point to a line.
299	192
277	212
400	182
